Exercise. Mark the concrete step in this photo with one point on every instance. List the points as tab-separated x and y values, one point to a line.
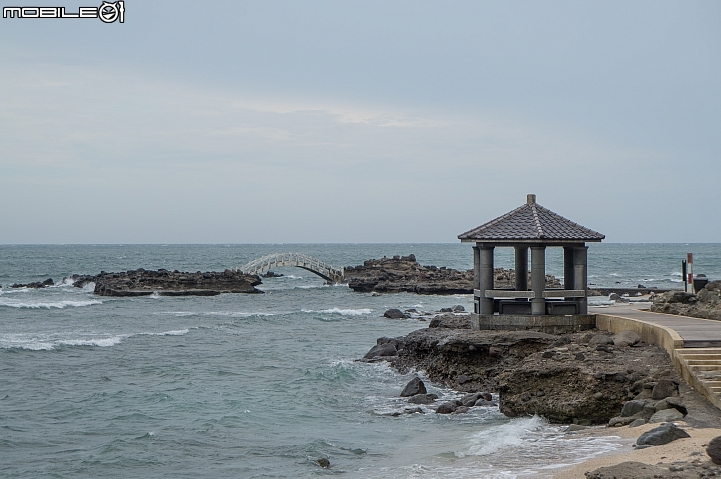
704	367
701	357
707	362
693	351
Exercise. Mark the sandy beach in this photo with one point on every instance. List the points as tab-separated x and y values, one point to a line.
687	449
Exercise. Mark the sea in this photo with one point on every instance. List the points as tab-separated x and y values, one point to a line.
258	386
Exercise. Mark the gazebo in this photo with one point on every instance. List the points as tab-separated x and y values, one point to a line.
535	227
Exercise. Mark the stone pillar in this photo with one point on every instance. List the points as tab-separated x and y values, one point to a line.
538	279
568	270
521	268
476	278
486	278
580	275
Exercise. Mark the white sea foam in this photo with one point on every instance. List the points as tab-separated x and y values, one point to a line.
51	341
100	342
177	332
347	312
14	303
38	342
239	314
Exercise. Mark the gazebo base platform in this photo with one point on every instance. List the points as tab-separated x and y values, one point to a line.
552	324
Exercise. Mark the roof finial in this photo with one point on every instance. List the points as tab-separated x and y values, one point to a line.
531	199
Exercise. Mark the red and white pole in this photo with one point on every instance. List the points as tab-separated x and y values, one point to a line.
689	260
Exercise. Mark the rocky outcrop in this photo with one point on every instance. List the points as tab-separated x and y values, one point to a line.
705	304
579	378
36	284
405	274
143	282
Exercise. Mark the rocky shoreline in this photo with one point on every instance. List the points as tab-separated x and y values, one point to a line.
581	379
587	378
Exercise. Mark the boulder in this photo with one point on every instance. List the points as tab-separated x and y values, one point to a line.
423	398
414	386
396	314
323	462
626	338
458	309
446	408
661	435
631	408
382	350
637	422
600	340
462	379
461	410
674	402
663	389
471	399
714	450
666	415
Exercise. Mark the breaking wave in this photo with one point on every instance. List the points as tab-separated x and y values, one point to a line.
14	303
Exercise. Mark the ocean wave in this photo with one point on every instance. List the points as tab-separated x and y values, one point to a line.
100	342
177	332
47	342
239	314
345	312
13	303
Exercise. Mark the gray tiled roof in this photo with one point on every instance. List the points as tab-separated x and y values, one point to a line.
531	223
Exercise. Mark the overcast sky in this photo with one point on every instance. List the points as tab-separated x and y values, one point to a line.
389	121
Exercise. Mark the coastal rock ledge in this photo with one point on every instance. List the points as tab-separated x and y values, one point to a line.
141	282
581	378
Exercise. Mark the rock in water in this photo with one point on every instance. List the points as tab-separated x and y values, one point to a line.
143	282
396	314
446	408
661	435
384	350
405	274
323	462
423	398
714	450
414	386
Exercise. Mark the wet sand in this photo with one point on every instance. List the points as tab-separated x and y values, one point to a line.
679	450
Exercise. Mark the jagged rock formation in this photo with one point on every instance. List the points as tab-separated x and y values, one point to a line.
705	304
142	282
405	274
582	378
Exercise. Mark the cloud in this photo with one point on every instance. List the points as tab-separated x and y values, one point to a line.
172	160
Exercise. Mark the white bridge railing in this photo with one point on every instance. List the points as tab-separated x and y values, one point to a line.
267	263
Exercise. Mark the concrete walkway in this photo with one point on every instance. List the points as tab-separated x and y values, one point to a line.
697	357
695	332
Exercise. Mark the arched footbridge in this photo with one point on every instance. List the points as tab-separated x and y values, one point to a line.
261	265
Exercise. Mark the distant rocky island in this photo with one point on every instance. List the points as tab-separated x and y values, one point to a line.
141	282
403	274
